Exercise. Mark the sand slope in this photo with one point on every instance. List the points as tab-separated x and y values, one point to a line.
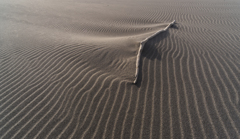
67	67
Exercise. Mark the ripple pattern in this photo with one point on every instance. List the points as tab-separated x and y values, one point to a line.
66	69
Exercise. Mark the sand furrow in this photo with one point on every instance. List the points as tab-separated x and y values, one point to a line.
206	108
196	105
36	105
90	107
149	52
39	79
49	102
67	69
34	73
222	100
178	97
110	113
58	112
213	98
185	96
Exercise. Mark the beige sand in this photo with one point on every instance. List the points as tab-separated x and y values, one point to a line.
67	67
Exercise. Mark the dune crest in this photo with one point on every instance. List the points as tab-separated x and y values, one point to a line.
142	44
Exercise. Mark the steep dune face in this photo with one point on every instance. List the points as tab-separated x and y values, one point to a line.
67	67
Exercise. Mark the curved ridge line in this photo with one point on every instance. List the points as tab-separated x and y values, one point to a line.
142	44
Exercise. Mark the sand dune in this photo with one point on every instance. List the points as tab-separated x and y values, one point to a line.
67	69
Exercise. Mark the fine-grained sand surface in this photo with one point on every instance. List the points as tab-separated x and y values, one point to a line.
67	69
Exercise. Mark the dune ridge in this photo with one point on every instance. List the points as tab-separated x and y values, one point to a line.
142	43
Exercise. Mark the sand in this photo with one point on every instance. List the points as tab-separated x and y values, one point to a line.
67	69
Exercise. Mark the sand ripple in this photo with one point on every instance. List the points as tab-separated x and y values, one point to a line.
66	69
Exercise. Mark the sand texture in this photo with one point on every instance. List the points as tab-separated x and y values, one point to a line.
67	69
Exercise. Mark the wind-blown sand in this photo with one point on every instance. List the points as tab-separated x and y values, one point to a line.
67	69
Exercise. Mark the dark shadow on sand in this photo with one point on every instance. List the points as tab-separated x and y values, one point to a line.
152	51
